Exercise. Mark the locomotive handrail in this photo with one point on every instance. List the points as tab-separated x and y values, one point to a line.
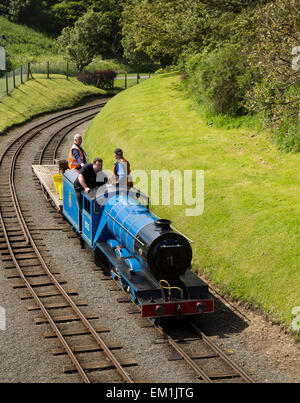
190	240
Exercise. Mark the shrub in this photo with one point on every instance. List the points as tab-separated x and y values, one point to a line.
100	78
221	79
277	94
87	78
287	134
105	78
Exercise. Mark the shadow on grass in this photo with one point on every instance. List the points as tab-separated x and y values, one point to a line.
11	108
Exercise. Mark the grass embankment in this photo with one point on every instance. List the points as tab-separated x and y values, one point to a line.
247	240
24	44
39	96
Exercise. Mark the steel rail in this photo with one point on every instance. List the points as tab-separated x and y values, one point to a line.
38	128
221	353
55	134
183	354
175	345
188	359
28	237
43	309
70	127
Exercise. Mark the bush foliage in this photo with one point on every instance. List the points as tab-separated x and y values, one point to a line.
221	79
251	72
100	79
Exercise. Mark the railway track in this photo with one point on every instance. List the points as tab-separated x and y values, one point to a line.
210	351
204	352
25	259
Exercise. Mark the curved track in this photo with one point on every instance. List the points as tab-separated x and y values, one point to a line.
209	351
28	260
22	247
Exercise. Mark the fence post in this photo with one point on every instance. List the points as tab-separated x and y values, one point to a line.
48	70
125	80
67	70
14	79
28	70
6	78
21	74
137	78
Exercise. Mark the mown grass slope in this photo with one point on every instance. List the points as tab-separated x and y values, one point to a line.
39	96
247	239
24	44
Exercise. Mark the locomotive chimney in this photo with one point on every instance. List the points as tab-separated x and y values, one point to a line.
163	223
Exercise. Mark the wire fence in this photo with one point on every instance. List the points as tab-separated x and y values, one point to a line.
125	80
62	70
13	79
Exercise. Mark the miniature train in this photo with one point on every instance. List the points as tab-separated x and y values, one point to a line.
148	258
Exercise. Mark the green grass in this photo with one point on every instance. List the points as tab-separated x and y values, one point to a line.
247	240
39	96
120	84
24	44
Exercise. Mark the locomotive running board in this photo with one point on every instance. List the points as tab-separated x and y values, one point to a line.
141	282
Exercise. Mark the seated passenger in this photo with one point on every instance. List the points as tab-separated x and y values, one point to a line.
87	180
121	170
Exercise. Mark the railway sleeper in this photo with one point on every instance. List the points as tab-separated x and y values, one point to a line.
76	332
23	250
64	318
100	365
87	349
222	375
37	283
57	305
47	294
194	356
29	274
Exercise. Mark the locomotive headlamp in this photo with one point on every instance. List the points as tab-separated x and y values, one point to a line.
160	310
201	307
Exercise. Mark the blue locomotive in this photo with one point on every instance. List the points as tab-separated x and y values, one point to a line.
150	259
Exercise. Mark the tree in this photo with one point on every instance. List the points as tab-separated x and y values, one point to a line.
278	92
4	8
164	29
66	13
25	11
86	39
167	29
34	13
